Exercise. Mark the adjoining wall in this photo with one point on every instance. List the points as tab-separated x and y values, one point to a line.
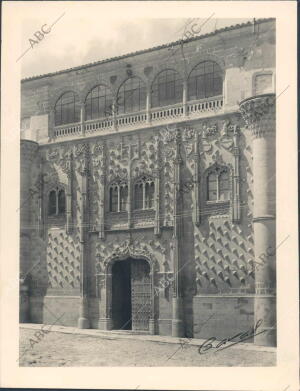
58	310
223	317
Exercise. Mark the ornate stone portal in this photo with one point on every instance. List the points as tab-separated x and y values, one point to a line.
122	253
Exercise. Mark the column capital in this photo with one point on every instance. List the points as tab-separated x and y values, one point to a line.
259	114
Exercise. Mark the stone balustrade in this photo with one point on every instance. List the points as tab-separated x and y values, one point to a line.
156	116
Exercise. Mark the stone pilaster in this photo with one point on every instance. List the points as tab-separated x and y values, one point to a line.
177	322
259	115
157	206
196	206
69	217
83	321
102	209
236	210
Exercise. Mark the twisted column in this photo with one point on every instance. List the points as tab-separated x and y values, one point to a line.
259	115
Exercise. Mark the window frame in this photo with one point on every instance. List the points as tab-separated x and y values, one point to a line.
60	110
143	181
195	79
218	171
125	95
118	186
58	212
90	100
160	91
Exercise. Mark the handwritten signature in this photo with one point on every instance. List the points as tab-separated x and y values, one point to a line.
242	336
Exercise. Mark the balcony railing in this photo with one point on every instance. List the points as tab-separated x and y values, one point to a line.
68	130
99	124
205	105
166	113
143	119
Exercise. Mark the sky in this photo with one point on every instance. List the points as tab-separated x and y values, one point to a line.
82	36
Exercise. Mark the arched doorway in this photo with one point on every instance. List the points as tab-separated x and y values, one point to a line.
131	294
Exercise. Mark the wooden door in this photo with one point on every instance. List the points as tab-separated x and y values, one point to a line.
140	294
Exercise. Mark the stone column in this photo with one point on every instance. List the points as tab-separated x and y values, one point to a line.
185	97
259	115
152	320
148	105
177	323
82	118
114	114
83	321
108	323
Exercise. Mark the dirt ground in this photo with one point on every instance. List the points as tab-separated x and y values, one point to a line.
58	349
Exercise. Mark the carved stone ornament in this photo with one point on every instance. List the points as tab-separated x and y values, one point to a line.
167	135
168	138
189	148
188	134
81	149
98	156
209	130
259	114
227	132
137	251
217	158
82	156
66	164
118	172
53	154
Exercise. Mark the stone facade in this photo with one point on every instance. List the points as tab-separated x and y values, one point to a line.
202	254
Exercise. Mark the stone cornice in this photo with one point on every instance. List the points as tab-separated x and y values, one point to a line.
259	114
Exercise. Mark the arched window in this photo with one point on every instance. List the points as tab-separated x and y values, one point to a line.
218	185
131	96
118	197
149	195
98	102
212	187
52	203
205	81
138	196
224	191
61	199
167	89
66	109
56	202
144	193
123	197
113	198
